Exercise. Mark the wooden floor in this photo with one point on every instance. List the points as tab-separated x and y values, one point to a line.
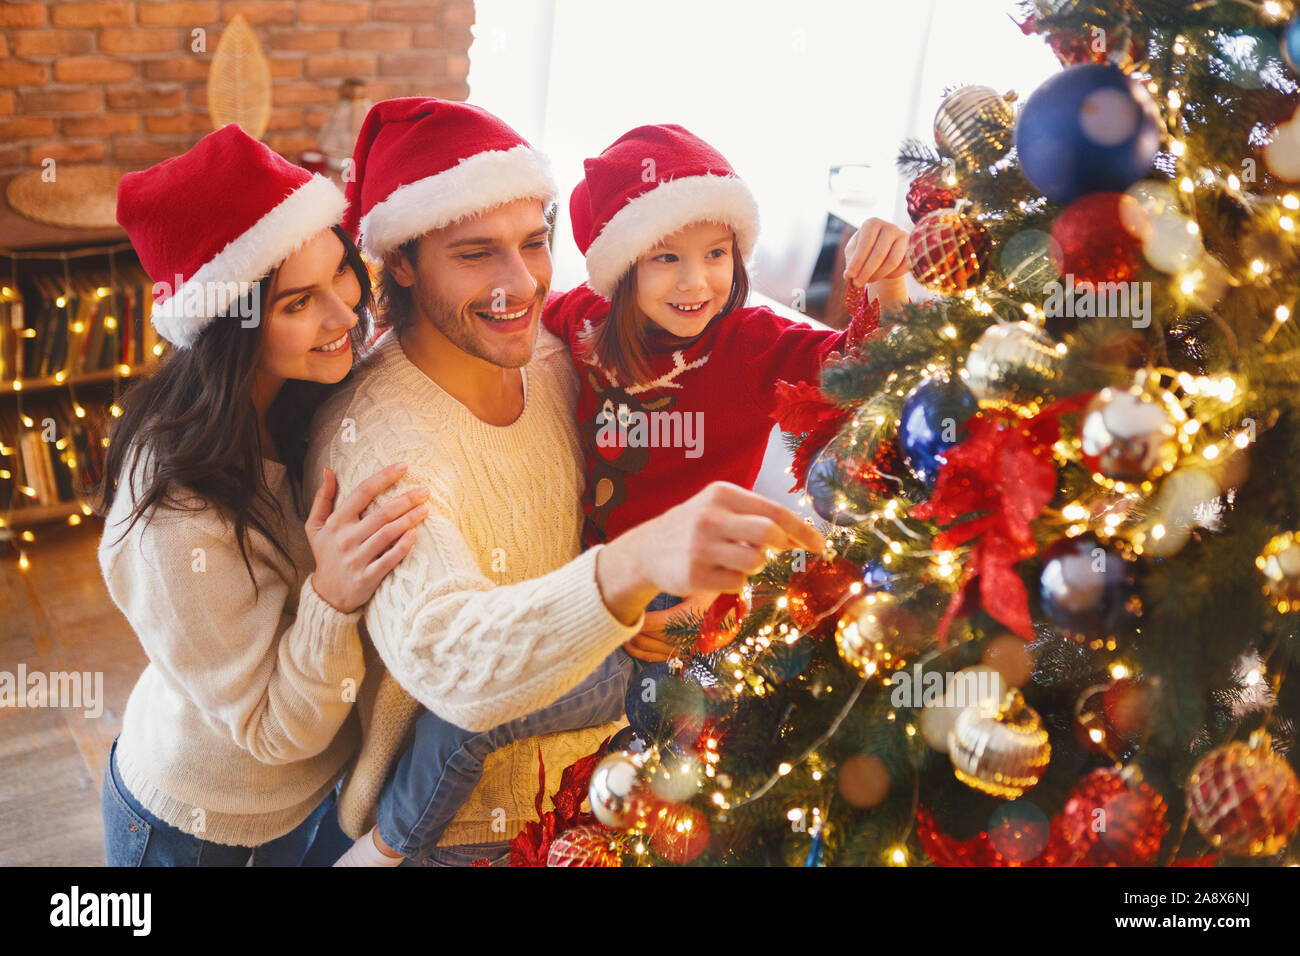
57	616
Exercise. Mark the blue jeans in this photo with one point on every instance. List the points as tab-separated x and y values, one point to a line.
441	768
135	837
643	716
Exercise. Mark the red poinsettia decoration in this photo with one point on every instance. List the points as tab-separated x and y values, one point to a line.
803	409
532	845
990	489
865	315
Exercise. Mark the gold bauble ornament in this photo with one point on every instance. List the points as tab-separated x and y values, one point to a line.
1279	562
975	125
869	636
1011	365
1001	752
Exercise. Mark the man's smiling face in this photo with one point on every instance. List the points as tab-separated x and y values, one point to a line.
482	282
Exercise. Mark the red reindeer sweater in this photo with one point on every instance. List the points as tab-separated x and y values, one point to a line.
705	416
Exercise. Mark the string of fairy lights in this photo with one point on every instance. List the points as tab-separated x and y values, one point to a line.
12	525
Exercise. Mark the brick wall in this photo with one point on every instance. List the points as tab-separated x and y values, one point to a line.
117	82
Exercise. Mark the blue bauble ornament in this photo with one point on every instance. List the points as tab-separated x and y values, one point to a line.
1087	129
661	693
822	479
1291	44
877	577
1088	592
933	420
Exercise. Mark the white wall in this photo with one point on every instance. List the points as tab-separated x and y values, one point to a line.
784	88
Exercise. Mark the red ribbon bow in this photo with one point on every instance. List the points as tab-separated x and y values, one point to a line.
998	480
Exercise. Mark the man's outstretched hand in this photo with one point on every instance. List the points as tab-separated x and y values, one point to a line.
711	542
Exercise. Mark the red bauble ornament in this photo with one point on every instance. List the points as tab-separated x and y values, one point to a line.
1113	818
1098	239
1127	704
929	192
678	832
721	623
948	252
1244	798
590	845
1093	729
814	595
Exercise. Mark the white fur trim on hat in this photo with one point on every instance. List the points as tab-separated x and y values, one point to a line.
668	207
474	185
314	206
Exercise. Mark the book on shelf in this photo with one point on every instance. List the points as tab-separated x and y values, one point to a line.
92	321
60	457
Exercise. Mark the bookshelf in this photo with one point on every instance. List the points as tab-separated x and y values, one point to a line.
74	330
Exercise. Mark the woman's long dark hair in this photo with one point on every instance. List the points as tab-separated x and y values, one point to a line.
196	417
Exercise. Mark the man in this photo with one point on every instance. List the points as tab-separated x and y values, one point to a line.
494	613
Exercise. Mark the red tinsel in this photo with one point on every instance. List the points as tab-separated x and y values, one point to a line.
532	845
994	484
1070	49
980	851
803	409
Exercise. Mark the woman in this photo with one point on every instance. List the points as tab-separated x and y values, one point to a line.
237	732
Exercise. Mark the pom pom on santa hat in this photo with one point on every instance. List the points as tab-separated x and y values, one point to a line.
651	182
212	221
422	163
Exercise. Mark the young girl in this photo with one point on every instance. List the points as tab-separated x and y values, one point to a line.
662	332
237	731
677	373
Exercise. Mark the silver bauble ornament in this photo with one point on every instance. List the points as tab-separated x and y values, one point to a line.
1011	365
613	790
1129	437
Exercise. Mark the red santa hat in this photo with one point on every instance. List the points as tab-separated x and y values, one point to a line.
651	182
422	163
216	218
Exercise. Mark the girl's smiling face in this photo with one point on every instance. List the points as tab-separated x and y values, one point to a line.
684	281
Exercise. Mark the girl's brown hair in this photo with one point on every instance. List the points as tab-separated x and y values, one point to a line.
619	345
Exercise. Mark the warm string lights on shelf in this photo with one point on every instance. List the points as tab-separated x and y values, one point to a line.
63	446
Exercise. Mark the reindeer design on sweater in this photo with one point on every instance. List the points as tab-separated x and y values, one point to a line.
618	438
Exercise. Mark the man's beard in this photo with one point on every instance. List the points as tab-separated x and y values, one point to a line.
461	326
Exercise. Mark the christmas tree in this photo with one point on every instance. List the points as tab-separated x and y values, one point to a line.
1061	604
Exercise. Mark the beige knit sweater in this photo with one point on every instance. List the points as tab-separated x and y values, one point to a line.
242	721
494	613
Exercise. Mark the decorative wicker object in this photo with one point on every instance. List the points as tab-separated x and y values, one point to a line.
79	197
239	80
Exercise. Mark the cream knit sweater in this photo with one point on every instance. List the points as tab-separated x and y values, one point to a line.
242	721
493	613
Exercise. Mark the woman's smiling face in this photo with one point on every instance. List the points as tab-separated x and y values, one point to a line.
310	311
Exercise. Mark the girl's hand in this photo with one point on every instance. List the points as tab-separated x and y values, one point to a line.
354	553
877	251
652	644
